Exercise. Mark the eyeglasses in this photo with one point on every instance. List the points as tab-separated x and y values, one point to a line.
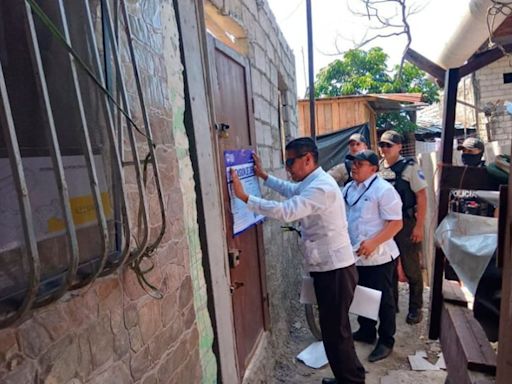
289	162
385	145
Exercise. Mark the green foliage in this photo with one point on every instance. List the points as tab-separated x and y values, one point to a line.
362	72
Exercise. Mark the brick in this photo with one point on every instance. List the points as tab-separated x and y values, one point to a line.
84	363
168	308
33	338
25	373
58	364
135	336
139	363
121	337
149	319
174	359
165	339
101	341
115	374
8	344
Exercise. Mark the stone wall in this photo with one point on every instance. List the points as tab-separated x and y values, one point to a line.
112	331
273	79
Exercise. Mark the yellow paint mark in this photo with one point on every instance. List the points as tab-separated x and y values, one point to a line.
83	211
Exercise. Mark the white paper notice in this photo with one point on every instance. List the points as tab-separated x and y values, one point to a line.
366	302
243	163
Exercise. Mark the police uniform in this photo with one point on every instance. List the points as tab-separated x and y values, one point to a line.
408	179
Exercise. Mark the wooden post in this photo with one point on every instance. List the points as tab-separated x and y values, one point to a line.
450	103
311	70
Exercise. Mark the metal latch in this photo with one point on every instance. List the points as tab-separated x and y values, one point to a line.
234	257
235	285
222	129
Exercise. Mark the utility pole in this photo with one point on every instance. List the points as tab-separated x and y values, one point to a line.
312	119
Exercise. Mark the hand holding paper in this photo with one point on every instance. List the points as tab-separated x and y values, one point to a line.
238	188
258	168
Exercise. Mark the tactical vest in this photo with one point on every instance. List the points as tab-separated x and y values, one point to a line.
393	175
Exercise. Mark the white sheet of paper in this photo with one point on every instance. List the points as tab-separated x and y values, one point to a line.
366	302
314	356
307	292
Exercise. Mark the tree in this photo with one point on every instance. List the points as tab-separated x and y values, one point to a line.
361	72
389	18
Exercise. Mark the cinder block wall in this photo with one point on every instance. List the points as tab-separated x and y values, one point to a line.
112	331
490	88
273	73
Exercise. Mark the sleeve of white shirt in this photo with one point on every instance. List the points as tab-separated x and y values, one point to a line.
390	205
297	207
283	187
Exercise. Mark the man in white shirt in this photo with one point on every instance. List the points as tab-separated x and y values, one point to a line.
341	172
315	200
374	213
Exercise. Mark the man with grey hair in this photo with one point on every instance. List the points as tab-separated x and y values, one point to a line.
342	172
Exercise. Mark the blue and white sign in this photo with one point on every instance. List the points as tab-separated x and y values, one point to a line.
243	163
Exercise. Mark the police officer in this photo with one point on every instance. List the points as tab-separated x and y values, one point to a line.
341	172
409	181
472	151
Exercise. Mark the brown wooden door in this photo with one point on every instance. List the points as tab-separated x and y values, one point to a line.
233	106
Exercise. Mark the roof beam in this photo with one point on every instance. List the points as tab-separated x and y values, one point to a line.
480	60
426	65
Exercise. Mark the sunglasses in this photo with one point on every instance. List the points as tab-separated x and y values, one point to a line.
289	162
385	145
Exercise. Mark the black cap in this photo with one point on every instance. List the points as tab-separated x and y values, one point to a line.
357	137
391	137
365	155
472	143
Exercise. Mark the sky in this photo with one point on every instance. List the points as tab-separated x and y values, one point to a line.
333	21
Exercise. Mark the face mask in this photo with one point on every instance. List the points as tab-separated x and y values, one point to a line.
471	159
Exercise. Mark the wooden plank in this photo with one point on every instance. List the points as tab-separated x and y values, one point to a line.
425	65
464	344
452	293
336	116
505	335
482	59
502	225
449	109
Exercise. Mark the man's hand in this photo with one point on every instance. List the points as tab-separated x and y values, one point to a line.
238	188
258	168
366	248
417	233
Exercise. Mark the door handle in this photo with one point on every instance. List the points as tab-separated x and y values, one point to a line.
235	285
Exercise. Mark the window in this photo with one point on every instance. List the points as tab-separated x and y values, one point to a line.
62	147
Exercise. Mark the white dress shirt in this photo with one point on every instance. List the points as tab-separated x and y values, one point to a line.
369	205
318	204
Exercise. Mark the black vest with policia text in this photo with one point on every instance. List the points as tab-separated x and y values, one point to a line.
393	175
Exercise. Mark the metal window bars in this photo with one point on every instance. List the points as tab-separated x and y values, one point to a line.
34	296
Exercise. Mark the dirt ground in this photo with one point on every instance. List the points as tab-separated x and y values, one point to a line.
396	368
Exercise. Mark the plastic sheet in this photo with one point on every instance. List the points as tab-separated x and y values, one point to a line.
468	241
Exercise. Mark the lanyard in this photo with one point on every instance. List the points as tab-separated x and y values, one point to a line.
361	195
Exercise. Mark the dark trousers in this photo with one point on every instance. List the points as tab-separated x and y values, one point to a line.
334	292
380	277
410	259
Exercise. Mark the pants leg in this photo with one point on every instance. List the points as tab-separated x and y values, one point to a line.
381	277
410	259
334	292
